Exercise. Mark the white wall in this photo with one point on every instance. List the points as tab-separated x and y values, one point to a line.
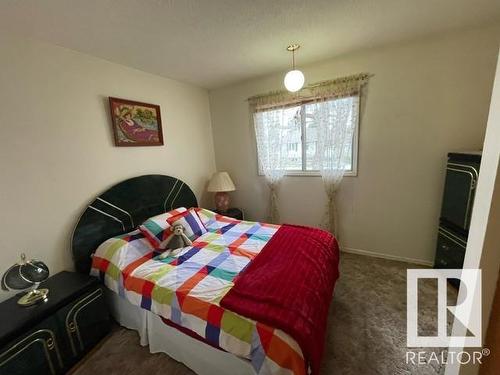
484	238
427	97
57	152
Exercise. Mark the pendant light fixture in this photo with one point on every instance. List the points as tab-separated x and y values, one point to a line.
294	79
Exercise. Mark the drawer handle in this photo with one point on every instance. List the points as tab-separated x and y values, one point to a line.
72	326
445	247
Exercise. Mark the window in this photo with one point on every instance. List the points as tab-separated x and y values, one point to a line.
297	127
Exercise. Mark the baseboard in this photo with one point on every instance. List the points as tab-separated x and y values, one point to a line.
387	256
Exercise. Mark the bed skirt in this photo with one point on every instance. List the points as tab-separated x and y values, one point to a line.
161	338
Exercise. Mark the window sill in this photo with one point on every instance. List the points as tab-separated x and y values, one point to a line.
312	174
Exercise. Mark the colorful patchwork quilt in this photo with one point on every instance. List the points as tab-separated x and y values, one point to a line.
187	288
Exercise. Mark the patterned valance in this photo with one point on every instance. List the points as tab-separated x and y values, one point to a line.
335	88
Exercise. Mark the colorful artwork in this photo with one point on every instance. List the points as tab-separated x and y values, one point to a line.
135	123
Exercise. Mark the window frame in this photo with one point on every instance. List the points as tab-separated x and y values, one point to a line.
316	173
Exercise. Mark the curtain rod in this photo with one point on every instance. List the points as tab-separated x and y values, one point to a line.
340	80
299	100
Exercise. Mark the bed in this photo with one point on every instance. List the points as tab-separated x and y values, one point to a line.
231	302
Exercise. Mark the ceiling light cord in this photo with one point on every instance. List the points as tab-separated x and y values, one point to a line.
294	79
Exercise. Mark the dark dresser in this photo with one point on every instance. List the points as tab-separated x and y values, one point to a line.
462	172
50	337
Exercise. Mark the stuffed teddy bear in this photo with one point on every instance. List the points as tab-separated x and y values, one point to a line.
176	240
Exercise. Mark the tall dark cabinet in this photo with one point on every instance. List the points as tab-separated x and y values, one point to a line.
462	172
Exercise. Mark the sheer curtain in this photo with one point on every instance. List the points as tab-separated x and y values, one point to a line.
336	120
334	106
274	130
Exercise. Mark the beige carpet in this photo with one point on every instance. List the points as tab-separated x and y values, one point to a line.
366	332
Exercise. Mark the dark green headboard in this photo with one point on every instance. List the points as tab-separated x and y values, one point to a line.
122	208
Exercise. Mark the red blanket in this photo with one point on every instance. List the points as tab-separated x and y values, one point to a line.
289	286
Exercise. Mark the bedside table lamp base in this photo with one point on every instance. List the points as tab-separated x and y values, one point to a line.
222	201
220	184
33	297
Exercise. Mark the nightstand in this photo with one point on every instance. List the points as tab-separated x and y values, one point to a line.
50	337
235	213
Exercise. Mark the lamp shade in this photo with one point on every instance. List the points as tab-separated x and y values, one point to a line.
220	181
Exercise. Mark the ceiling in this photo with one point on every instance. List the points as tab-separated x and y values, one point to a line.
212	43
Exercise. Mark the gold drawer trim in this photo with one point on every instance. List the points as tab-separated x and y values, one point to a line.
72	325
48	345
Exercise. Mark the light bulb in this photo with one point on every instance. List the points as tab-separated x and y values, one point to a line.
294	80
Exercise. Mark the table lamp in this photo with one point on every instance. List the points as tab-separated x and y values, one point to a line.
220	184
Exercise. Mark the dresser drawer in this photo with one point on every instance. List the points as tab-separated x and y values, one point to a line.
37	352
450	252
86	321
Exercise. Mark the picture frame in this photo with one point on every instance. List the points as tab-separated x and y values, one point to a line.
135	123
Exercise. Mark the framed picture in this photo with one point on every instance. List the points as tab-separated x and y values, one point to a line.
135	123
